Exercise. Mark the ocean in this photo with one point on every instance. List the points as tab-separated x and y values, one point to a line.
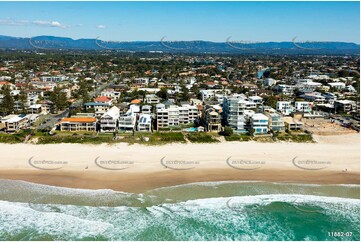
198	211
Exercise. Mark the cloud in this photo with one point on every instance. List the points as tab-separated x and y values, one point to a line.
100	26
50	24
13	22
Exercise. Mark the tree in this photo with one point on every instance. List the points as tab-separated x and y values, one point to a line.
84	92
7	105
270	101
22	100
162	93
228	131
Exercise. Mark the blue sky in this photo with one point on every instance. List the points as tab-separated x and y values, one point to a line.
214	21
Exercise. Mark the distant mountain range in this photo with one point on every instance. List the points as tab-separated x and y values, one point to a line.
228	47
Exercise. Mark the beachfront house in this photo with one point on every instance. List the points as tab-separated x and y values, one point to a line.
145	123
275	122
212	120
284	107
13	123
292	124
127	121
303	107
259	123
109	121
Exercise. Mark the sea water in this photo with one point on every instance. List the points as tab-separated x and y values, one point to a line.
197	211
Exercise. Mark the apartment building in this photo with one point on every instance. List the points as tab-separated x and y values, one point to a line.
173	115
314	97
167	117
234	110
78	124
99	108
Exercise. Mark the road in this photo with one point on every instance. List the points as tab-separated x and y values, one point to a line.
51	120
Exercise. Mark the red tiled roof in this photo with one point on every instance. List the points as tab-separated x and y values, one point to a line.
135	101
102	99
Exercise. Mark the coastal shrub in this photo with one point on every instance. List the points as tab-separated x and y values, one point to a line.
201	138
57	139
245	137
233	137
228	131
9	139
169	137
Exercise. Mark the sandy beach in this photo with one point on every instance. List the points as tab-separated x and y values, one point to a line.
136	168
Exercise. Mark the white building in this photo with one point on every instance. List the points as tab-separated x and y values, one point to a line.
284	107
145	123
234	111
109	121
337	85
313	97
152	99
146	109
259	122
304	107
269	82
256	99
14	122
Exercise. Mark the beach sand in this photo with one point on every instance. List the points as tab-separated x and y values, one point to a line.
137	168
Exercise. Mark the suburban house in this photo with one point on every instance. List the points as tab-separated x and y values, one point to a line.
152	99
146	109
103	99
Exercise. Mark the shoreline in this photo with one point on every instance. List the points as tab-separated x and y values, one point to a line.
139	168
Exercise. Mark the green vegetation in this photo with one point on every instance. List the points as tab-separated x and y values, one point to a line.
298	138
227	131
234	137
198	137
7	104
168	137
156	138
